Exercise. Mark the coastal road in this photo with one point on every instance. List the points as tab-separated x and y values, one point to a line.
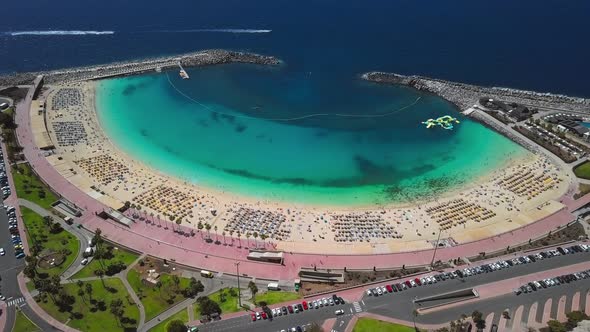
400	305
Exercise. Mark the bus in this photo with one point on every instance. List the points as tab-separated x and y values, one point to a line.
206	274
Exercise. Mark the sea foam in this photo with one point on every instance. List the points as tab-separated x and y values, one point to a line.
217	30
58	33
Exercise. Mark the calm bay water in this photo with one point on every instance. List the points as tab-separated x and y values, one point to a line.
325	45
214	133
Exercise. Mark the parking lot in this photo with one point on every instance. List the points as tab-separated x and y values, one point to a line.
4	178
400	304
472	271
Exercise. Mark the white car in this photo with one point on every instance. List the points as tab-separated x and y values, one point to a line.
339	312
2	252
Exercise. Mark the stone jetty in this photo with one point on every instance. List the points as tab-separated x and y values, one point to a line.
466	95
195	59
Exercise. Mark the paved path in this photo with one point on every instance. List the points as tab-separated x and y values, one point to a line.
131	291
166	314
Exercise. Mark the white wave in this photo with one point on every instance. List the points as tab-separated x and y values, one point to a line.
219	30
58	33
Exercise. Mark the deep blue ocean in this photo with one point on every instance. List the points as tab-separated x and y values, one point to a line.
538	45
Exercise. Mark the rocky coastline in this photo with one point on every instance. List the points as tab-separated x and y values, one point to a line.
466	95
195	59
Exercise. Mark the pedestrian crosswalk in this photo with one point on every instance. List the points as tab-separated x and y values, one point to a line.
357	307
15	302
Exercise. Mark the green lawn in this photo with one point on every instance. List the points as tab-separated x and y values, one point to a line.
23	324
29	187
119	254
272	297
228	306
156	300
38	232
583	171
93	319
181	315
373	325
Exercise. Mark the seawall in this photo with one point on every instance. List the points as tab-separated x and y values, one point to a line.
133	67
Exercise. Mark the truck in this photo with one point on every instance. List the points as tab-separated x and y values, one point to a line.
273	286
206	274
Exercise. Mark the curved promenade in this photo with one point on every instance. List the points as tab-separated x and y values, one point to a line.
194	251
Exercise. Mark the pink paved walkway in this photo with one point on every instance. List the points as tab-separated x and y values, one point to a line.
196	252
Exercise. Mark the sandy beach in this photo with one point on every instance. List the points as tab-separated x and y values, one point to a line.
523	191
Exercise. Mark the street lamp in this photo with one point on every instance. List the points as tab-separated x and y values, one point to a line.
238	274
435	248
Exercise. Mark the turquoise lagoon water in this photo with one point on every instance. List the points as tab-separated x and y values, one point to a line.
221	131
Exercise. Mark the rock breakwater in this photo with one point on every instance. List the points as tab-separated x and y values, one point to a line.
195	59
466	95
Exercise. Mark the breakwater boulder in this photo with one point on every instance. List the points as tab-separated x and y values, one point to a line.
466	95
133	67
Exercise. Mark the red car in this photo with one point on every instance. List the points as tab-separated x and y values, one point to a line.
304	305
290	308
417	280
389	289
408	283
263	315
253	317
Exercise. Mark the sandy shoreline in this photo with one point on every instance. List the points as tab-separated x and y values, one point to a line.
482	206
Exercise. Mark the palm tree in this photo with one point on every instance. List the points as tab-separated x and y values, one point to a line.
208	228
231	234
216	238
263	237
117	309
223	233
248	237
89	290
100	273
255	239
239	238
32	261
253	289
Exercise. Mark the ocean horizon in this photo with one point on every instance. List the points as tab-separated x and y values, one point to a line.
501	43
